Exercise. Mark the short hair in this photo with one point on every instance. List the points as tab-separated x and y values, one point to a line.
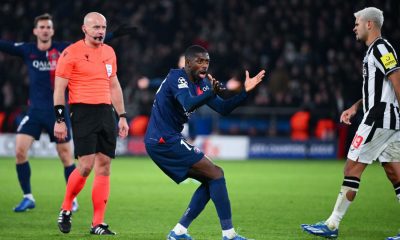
371	14
44	16
193	50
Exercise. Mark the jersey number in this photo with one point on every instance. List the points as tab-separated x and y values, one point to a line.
357	141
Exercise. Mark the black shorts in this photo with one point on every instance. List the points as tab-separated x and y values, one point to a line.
94	129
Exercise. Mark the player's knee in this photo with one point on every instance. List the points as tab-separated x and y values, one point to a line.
85	169
65	157
351	172
219	172
21	155
392	175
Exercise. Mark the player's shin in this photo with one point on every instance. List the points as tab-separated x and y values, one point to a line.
24	177
219	195
100	194
75	184
397	190
346	196
68	170
199	200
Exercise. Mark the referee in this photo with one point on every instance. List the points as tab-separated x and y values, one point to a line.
88	68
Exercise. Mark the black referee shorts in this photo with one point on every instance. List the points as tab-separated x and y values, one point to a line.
94	129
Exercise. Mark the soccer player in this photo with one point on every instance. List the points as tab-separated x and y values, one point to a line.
179	95
41	58
88	67
378	135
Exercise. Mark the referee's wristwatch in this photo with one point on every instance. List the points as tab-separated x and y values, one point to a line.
123	115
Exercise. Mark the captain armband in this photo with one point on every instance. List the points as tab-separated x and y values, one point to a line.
59	111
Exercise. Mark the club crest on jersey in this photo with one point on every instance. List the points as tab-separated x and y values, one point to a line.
182	83
388	60
109	69
196	150
205	88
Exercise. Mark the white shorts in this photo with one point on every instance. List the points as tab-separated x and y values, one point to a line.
370	144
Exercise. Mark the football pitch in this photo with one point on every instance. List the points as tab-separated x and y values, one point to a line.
270	199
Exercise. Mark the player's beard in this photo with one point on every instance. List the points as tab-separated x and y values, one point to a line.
44	39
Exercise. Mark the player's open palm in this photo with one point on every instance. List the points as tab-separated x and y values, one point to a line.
251	83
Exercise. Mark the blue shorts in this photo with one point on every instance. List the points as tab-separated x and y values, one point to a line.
37	119
175	159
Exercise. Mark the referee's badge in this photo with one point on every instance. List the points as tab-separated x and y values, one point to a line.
109	69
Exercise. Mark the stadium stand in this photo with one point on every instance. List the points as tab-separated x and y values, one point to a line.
307	48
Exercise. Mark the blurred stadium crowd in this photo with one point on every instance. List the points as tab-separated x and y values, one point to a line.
308	48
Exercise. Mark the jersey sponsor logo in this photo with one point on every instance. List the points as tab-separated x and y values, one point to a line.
388	60
109	69
44	65
357	140
182	83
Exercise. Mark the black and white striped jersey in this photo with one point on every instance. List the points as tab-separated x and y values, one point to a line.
380	104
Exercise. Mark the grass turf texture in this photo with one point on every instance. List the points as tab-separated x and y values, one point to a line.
270	199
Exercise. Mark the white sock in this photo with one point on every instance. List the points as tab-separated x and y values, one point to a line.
230	233
340	209
29	196
179	229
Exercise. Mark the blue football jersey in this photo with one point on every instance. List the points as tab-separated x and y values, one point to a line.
168	115
41	69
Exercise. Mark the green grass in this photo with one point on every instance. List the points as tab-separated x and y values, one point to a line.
270	199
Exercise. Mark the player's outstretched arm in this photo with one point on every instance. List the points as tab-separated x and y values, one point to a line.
12	48
251	83
225	106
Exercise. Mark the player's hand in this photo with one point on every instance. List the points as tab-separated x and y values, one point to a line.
216	86
251	83
347	115
123	30
123	127
60	131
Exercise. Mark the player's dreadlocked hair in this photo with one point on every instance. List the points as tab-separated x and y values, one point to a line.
193	50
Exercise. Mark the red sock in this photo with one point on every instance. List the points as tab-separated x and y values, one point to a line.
75	184
100	193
